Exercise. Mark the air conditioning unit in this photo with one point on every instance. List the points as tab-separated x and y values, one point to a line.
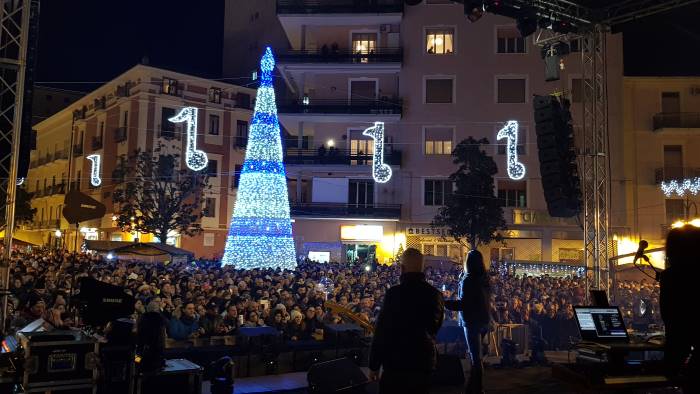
695	90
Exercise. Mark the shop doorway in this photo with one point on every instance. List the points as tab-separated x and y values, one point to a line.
359	253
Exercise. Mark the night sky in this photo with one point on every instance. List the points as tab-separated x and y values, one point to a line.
94	41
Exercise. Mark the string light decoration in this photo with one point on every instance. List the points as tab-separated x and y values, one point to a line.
261	229
196	160
691	185
516	169
380	172
95	179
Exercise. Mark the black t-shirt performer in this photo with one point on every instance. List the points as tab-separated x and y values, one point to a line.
404	338
473	307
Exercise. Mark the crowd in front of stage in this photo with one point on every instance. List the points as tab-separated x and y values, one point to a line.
203	299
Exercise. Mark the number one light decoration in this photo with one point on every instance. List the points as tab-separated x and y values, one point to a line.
691	185
95	179
380	172
261	230
195	159
516	169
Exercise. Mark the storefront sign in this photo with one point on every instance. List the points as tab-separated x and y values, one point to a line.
427	230
535	217
371	233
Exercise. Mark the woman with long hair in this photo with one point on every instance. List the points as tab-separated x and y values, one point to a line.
473	308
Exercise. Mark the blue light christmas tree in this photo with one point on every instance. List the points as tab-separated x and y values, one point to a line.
261	230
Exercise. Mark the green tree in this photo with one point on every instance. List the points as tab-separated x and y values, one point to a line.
24	213
472	213
154	197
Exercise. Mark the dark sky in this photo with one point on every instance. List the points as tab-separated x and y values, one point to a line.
88	40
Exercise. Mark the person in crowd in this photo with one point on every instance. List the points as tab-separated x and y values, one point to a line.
186	326
150	342
404	338
473	305
296	327
212	323
231	320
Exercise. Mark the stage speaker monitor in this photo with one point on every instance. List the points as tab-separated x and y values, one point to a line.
340	375
79	207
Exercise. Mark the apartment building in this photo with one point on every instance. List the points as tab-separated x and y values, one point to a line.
127	114
433	78
661	137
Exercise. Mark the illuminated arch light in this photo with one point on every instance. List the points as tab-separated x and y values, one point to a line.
516	169
691	185
195	159
95	179
380	172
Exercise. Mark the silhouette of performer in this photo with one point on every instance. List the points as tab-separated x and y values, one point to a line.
677	282
404	337
473	307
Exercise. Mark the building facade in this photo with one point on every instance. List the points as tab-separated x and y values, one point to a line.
661	134
434	79
127	114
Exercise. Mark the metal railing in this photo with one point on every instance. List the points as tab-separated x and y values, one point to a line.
384	106
675	173
338	6
327	55
337	156
320	209
680	120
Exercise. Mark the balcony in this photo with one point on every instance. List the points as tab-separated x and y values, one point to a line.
326	210
295	156
339	6
77	150
56	189
60	155
676	120
120	134
96	143
666	174
379	55
342	107
48	224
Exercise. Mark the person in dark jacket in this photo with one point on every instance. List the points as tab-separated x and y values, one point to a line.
676	281
404	336
473	307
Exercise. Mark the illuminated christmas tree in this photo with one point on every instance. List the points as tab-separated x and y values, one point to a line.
261	230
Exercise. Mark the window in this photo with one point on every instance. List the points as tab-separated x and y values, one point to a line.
242	100
364	43
241	140
237	174
508	40
208	239
167	128
675	210
169	86
125	118
436	191
209	210
361	148
214	124
512	194
511	90
213	168
438	141
439	90
215	95
439	41
577	90
673	162
361	192
522	140
166	166
101	130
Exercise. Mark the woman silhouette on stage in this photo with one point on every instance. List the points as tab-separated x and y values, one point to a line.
473	308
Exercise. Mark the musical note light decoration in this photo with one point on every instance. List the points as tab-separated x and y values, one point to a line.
691	185
516	169
95	179
195	159
380	172
260	235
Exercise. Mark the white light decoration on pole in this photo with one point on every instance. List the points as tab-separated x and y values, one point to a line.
195	159
380	172
20	181
95	179
691	185
516	169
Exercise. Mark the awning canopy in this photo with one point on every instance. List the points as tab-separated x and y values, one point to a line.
138	250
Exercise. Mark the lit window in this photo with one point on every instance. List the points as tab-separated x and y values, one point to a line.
438	141
169	86
439	41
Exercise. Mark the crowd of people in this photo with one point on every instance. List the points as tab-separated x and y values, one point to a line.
203	299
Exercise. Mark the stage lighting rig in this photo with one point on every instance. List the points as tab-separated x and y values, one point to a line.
552	55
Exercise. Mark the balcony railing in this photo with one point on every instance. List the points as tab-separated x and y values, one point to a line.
338	157
326	55
352	107
56	189
60	155
77	150
319	209
120	134
675	173
48	224
677	120
96	143
338	6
